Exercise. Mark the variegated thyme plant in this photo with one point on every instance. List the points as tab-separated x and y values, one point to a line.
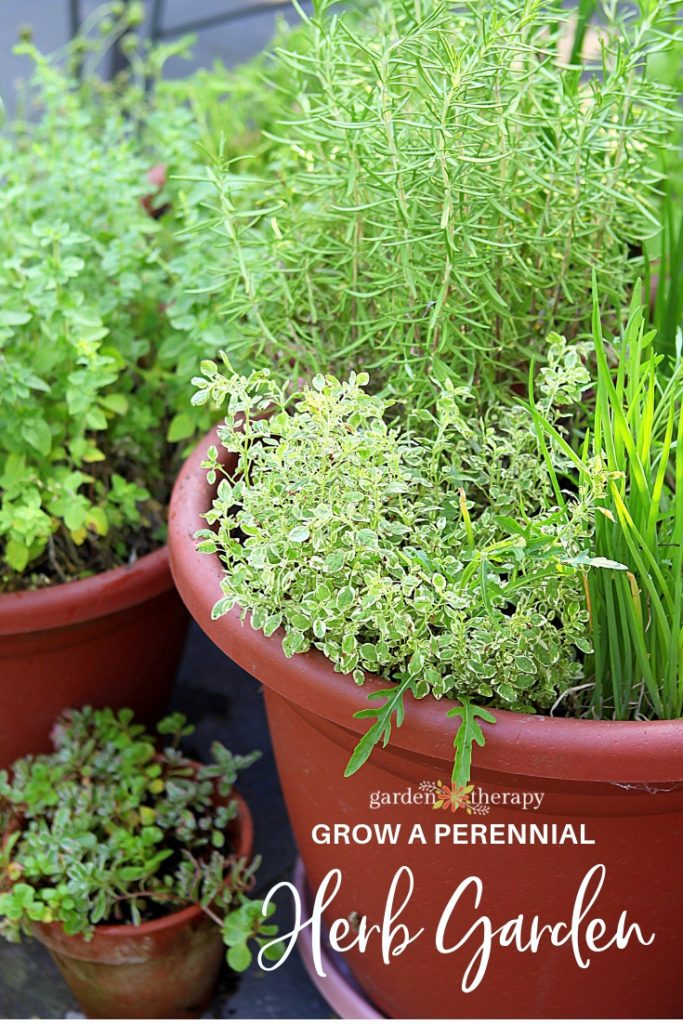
434	555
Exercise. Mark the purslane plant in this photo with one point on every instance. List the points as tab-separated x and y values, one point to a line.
449	184
435	555
109	829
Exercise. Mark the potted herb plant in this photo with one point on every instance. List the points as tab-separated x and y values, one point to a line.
98	335
488	561
439	217
476	568
131	863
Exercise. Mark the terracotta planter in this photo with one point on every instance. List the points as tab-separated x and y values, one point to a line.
112	640
623	781
166	968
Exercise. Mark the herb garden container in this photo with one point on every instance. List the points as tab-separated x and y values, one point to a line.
619	785
113	639
165	968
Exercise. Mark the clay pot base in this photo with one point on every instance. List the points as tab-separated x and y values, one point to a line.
339	988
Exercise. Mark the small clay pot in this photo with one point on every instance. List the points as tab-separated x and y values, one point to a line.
113	640
165	968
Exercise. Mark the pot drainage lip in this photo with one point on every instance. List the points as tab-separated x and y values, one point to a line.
339	988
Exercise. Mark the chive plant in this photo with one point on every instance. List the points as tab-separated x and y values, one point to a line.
665	250
634	591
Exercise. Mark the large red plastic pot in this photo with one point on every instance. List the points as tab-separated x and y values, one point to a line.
162	969
622	781
113	640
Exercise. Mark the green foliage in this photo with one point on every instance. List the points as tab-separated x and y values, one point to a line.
241	105
665	250
96	339
435	556
636	597
105	309
245	924
444	186
585	10
469	732
110	829
664	286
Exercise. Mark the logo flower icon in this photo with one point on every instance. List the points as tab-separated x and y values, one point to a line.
452	798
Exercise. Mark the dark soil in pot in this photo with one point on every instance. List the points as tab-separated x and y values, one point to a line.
164	968
617	785
113	639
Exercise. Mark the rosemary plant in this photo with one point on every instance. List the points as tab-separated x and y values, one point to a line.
445	185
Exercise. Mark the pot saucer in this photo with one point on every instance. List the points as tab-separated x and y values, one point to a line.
339	987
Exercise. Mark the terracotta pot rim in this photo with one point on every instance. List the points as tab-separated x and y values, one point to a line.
67	604
536	745
169	922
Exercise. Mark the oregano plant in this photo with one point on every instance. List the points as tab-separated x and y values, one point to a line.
107	298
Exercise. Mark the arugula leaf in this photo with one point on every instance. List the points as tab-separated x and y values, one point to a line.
469	732
381	730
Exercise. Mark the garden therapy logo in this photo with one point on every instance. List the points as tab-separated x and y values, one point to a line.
451	797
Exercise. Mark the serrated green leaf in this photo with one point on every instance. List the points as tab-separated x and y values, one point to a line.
393	706
469	732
